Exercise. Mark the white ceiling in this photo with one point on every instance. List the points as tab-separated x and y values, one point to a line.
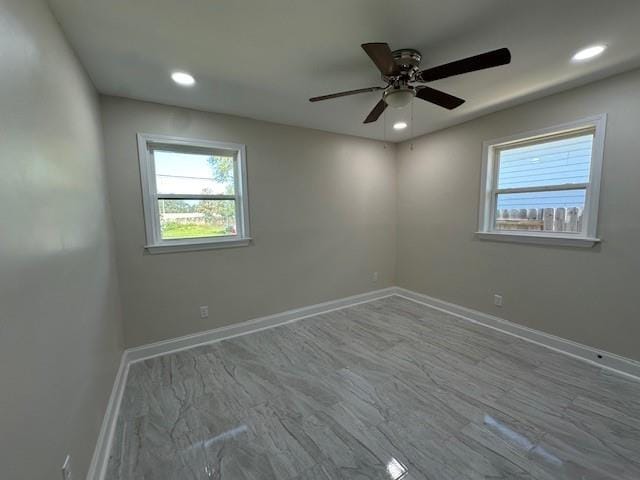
264	58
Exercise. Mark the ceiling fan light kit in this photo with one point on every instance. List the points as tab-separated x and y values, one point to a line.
400	70
398	97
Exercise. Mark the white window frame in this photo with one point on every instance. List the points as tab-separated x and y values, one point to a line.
489	192
155	243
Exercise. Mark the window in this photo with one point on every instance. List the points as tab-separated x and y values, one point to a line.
194	193
543	187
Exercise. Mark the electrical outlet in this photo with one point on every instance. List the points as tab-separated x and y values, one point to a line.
66	468
204	311
497	300
375	277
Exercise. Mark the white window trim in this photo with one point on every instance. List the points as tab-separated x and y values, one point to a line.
155	243
588	238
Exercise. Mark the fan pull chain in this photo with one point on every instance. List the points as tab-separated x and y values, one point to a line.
384	128
411	144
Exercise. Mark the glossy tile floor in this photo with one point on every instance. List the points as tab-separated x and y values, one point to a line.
389	389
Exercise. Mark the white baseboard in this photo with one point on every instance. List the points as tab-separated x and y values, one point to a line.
100	459
601	358
209	336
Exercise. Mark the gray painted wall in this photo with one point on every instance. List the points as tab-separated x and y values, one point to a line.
586	295
322	210
60	325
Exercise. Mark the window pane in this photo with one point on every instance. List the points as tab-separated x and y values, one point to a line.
197	218
555	162
193	173
555	211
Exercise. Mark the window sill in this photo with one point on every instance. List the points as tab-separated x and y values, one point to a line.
193	246
540	239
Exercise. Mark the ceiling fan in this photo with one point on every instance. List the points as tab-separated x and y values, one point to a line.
401	68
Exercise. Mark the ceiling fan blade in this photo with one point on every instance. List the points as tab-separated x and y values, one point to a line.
376	112
491	59
344	94
381	55
439	98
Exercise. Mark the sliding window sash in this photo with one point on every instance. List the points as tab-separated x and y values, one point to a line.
197	196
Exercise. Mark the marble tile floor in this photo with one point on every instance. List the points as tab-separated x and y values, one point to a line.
389	389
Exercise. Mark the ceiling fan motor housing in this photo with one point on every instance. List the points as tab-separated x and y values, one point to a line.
400	93
407	58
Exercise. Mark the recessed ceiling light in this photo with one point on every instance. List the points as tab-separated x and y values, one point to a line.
183	78
400	125
589	52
